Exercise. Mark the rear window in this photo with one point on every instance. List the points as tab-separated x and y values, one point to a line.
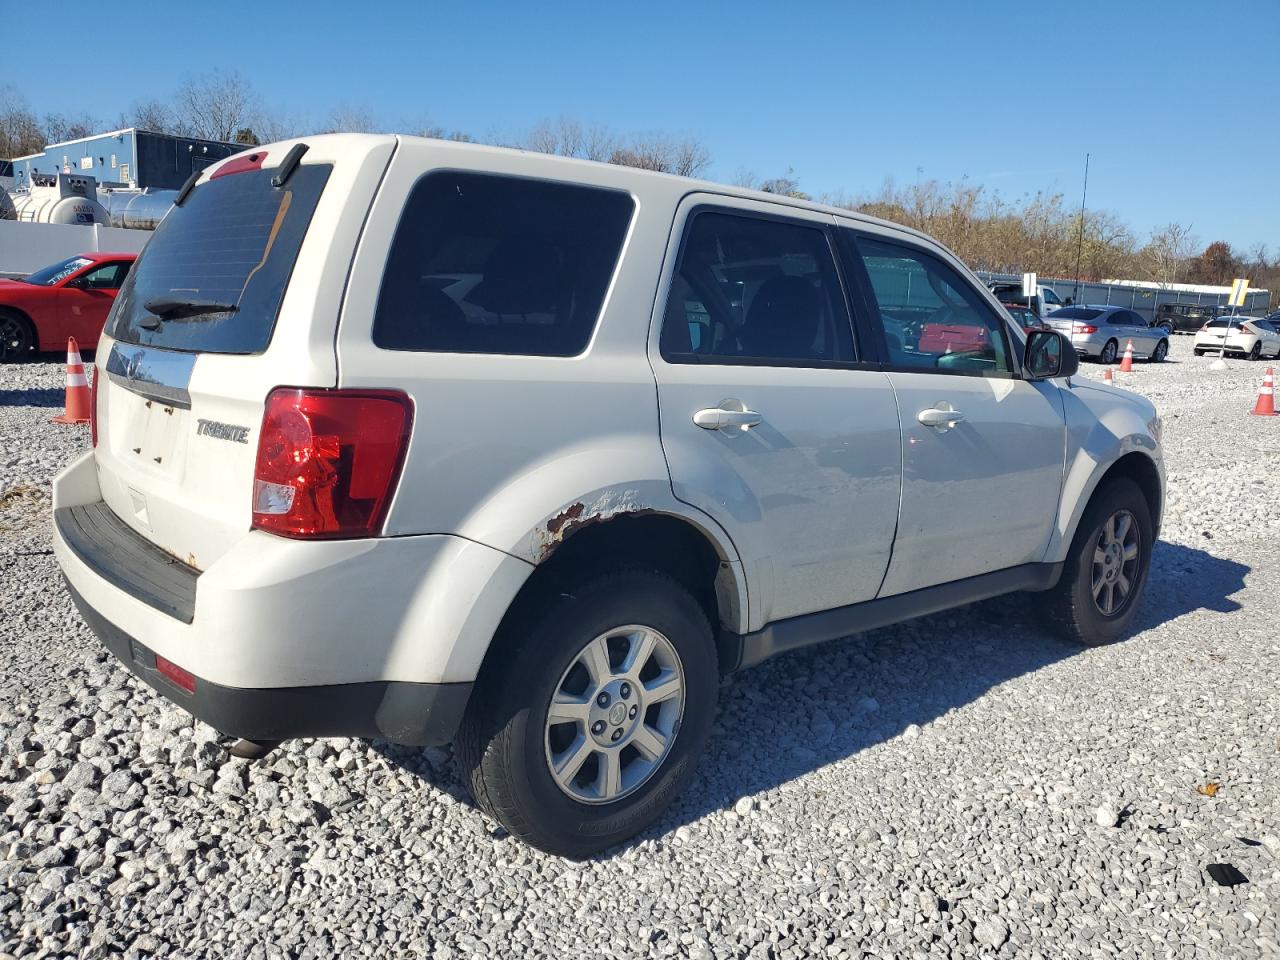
501	265
1076	313
1228	322
233	243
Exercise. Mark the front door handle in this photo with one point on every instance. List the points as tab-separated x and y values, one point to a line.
732	417
942	417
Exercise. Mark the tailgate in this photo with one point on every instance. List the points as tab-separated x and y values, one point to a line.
237	292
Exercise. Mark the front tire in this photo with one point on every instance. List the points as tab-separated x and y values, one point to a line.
1106	568
593	715
1161	351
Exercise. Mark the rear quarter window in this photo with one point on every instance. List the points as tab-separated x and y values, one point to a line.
234	241
501	265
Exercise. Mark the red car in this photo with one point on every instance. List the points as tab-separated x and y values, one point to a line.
70	298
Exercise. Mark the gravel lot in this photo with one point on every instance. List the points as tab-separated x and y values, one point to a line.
966	785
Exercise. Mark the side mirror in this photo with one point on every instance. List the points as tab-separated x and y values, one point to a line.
1068	302
1049	354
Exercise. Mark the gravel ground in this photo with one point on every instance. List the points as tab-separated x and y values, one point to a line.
965	785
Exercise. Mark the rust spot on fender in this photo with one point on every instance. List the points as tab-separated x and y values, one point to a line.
613	503
556	525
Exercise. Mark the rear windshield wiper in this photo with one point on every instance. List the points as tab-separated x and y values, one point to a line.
177	308
171	308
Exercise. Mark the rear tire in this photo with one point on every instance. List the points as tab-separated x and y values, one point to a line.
523	765
1161	351
1109	352
1098	565
1256	352
17	337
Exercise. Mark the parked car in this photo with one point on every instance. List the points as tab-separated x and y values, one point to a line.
70	298
1185	317
1246	336
1103	333
1043	303
562	444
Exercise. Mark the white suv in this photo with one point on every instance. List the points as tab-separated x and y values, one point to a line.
429	441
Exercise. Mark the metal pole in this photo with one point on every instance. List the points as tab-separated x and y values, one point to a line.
1080	244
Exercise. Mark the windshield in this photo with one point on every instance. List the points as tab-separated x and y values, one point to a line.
212	276
1076	313
58	271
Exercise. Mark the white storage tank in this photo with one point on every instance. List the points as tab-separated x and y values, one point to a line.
61	198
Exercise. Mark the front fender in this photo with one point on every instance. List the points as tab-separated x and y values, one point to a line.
1103	425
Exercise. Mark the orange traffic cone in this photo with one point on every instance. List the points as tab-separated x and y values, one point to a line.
1266	405
77	387
1108	377
1126	364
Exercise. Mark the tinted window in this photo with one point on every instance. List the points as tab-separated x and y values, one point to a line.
1050	296
749	289
234	241
932	318
488	264
1076	313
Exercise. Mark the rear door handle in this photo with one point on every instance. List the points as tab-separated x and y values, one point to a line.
731	417
941	417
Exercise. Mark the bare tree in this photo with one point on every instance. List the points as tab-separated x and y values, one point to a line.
20	132
215	105
1167	251
351	118
58	129
150	114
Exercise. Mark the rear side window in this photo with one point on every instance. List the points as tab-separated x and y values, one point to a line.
233	243
501	265
755	290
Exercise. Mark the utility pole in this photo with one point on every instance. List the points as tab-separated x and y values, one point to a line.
1080	243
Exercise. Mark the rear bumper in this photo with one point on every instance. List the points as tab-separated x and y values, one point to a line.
375	637
424	714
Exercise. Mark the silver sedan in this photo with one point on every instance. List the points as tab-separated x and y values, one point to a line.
1103	332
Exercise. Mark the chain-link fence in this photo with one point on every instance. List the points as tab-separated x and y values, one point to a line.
1144	300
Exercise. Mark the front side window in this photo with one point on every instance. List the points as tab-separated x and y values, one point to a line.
755	290
932	318
501	265
109	276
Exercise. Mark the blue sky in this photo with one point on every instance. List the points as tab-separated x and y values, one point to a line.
1176	101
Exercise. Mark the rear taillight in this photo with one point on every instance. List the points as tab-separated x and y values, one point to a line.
1083	328
328	461
93	408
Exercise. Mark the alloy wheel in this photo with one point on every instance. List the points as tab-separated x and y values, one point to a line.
1109	352
614	714
1116	554
13	338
